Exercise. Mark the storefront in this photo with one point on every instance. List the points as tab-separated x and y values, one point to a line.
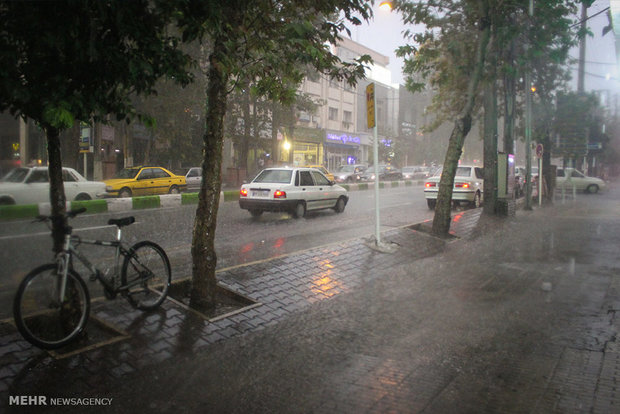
343	148
307	146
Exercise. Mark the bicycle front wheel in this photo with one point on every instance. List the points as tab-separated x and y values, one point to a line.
146	275
43	317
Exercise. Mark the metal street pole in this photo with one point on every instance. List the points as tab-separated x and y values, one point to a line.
528	128
371	114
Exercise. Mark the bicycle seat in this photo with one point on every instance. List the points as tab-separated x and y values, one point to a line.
125	221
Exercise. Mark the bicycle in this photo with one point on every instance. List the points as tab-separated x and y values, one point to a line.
52	303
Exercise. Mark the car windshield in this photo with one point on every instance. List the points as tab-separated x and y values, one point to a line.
346	168
16	176
463	172
127	173
274	176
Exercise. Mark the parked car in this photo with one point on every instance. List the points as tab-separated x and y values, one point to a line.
415	172
294	190
386	173
193	178
139	181
569	177
468	187
326	173
350	173
30	185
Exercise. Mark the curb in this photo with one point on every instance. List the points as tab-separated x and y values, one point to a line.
27	211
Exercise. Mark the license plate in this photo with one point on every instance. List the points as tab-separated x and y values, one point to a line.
260	193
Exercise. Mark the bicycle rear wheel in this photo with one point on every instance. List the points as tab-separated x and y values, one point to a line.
146	274
41	316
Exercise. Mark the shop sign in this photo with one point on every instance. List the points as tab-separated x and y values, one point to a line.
344	139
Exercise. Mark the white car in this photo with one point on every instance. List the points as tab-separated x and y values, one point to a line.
293	190
468	187
30	185
193	179
567	178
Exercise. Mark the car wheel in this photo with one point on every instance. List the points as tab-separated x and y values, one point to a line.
431	204
82	197
300	210
592	189
124	193
340	204
476	203
174	190
6	201
256	213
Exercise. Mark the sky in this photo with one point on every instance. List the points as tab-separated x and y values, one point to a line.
384	33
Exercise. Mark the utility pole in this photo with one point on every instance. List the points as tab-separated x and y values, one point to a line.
528	125
582	50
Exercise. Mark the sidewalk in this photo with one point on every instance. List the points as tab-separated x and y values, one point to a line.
511	316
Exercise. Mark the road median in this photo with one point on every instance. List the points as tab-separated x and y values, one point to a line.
27	211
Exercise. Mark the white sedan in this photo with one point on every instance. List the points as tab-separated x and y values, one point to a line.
567	178
468	187
30	185
293	190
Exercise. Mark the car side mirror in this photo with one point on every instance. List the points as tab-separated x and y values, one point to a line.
331	182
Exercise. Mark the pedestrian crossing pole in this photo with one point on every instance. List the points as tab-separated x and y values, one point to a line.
372	123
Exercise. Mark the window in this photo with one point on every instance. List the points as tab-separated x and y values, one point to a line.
305	179
159	173
146	174
38	176
194	172
333	114
479	173
67	176
560	173
347	116
319	178
576	174
274	176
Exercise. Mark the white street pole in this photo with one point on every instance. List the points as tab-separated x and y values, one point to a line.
371	117
375	151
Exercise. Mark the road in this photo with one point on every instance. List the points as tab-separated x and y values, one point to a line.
239	237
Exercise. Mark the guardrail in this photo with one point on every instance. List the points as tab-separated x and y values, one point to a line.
26	211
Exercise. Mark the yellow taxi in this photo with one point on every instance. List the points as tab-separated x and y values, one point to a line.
140	181
327	174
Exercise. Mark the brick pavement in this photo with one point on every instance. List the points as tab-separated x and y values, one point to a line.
281	286
562	359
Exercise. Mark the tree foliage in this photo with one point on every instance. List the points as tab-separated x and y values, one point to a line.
62	61
446	57
265	43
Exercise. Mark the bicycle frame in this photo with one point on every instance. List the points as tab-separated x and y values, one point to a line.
69	251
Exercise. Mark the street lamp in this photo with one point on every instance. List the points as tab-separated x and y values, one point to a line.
385	5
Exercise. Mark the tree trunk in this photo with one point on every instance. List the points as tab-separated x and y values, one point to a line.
490	148
57	189
204	259
462	125
509	104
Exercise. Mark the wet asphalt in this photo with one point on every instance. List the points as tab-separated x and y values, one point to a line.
513	315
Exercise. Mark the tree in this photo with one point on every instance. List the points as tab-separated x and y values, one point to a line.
71	60
265	42
451	55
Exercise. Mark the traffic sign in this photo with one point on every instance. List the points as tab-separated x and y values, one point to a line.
539	151
370	105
